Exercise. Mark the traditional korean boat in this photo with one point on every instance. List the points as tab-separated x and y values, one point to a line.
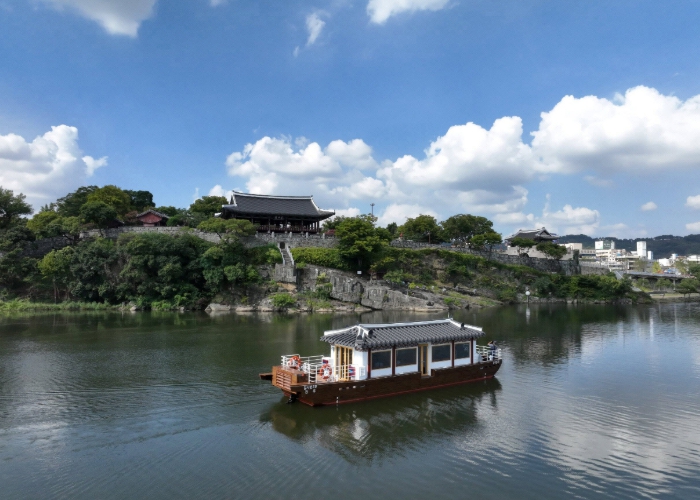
372	361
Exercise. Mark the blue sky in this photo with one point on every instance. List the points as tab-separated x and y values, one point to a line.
420	106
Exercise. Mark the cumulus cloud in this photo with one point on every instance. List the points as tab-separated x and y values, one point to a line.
598	182
381	10
314	26
569	220
117	17
218	190
400	212
693	226
638	131
46	168
648	206
693	202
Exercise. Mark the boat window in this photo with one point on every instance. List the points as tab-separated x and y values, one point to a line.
463	350
381	359
441	352
406	357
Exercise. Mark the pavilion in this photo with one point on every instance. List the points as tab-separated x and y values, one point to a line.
276	214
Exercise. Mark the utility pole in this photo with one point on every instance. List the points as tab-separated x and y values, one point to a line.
372	205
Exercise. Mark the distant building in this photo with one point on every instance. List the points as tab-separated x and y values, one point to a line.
151	218
605	245
650	255
641	249
538	235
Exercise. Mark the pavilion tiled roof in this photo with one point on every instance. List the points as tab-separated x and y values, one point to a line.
151	211
533	234
362	337
258	204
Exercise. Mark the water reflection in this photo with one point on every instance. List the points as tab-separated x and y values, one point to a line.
388	427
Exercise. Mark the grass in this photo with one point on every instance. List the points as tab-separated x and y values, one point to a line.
23	305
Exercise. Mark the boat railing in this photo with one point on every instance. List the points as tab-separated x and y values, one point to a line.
487	354
319	369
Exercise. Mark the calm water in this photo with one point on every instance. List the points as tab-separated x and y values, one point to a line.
591	402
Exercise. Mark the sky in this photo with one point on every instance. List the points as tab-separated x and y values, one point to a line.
580	116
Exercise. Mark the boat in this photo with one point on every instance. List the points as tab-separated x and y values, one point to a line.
369	361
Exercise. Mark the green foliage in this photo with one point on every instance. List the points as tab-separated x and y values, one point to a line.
551	250
451	301
393	229
522	244
24	305
325	257
98	213
688	286
464	227
15	237
208	205
656	268
227	227
456	272
694	269
508	295
283	300
48	224
398	277
359	240
70	204
485	241
12	207
268	254
333	223
168	210
55	266
140	200
423	228
111	196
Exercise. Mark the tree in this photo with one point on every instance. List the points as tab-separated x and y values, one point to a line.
486	240
551	250
228	227
464	227
69	205
694	269
423	228
169	211
656	268
393	228
332	223
359	240
98	213
208	205
688	286
48	224
12	207
55	266
140	200
522	244
112	196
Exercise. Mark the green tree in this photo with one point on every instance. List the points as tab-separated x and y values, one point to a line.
656	268
169	211
551	250
55	266
208	205
522	244
98	213
485	241
393	228
688	286
464	227
12	207
113	196
70	204
333	223
228	227
423	228
140	200
694	269
47	224
359	240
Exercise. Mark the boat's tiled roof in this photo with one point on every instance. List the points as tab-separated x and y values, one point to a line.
362	337
302	206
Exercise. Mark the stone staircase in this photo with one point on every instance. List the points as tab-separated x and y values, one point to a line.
287	259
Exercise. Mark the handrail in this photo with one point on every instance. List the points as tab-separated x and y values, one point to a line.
488	354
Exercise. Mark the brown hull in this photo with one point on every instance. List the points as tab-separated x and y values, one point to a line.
350	392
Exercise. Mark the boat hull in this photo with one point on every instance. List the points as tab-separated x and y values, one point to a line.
362	390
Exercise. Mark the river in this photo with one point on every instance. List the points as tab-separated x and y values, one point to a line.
591	402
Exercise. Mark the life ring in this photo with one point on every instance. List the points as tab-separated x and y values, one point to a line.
294	362
325	371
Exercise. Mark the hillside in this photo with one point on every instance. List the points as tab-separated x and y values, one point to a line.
662	246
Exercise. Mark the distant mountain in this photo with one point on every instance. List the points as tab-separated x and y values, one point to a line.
662	246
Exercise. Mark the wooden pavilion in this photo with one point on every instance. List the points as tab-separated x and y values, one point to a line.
276	214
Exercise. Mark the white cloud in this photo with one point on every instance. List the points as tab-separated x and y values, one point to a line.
648	206
641	130
347	212
218	190
46	168
693	226
381	10
400	212
693	202
355	154
314	26
117	17
570	220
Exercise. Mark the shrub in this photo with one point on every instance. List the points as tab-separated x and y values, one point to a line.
283	300
326	257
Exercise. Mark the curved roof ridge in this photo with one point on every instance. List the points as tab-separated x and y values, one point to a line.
279	196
